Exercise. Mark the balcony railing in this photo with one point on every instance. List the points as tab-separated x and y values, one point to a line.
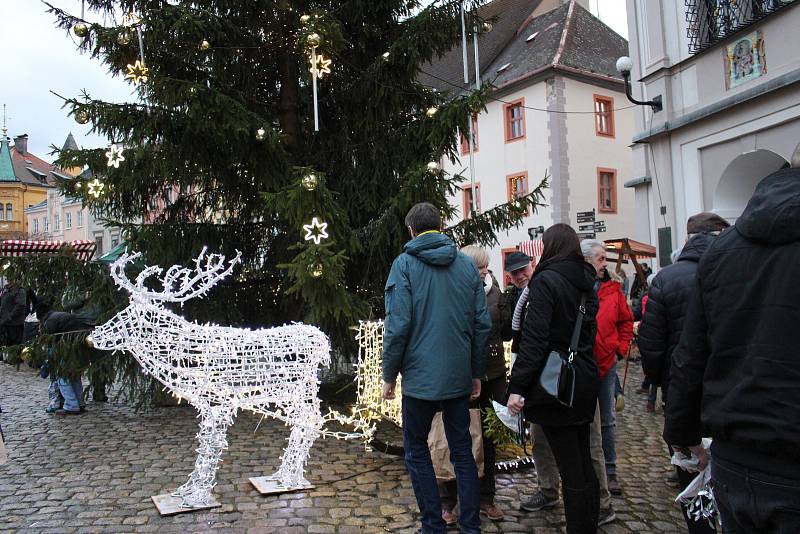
713	20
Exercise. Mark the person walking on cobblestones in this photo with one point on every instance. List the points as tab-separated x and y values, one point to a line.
614	335
661	327
435	335
735	374
559	282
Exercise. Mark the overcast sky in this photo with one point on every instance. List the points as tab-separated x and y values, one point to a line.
37	58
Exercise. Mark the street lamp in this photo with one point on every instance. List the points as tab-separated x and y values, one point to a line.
624	66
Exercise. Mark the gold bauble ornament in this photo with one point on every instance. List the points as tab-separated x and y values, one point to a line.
315	270
261	133
124	38
431	111
310	182
204	45
486	27
433	167
314	40
304	19
81	117
81	29
89	342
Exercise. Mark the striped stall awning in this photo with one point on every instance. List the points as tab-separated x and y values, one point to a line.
532	248
84	249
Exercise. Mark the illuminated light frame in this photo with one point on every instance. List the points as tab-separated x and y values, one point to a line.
221	370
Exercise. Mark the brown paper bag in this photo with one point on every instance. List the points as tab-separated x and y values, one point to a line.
440	452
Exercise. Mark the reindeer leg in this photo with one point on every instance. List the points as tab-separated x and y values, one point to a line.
196	492
306	426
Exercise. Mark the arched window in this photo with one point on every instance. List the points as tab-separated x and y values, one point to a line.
9	212
2	213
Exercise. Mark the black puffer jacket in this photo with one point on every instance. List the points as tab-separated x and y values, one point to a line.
667	301
735	374
555	295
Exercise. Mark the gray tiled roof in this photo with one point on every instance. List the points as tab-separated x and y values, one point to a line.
568	37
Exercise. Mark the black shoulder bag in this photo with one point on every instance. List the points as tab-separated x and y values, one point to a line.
558	375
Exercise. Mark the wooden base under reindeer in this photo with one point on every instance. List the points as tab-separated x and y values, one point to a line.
220	370
169	505
270	486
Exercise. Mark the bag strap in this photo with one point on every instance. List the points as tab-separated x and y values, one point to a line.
576	332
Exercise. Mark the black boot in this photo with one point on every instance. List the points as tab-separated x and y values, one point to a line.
581	508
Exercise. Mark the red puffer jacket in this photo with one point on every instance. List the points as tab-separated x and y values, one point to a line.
614	326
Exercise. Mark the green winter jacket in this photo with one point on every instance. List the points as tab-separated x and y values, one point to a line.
437	324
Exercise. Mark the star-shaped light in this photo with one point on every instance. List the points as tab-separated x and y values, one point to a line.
316	231
115	156
137	72
96	188
320	66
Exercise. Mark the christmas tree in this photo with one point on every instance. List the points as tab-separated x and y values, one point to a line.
296	132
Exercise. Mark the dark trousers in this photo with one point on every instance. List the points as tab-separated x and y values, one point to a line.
749	500
570	446
417	417
693	526
12	334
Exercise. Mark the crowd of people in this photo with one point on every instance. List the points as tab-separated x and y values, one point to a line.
713	334
23	317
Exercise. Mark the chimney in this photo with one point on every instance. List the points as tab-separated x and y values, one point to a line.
21	144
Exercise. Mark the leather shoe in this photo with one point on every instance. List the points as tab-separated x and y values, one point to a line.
449	517
491	511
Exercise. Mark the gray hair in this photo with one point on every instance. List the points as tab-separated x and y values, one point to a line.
477	254
423	217
588	246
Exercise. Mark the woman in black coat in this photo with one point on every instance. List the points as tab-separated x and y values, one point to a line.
558	283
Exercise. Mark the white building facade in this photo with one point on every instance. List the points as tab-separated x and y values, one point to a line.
555	113
727	72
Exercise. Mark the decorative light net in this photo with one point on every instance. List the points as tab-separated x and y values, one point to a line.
220	370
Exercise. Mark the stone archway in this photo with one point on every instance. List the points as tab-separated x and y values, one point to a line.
739	180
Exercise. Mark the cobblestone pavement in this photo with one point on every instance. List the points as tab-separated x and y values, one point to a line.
96	473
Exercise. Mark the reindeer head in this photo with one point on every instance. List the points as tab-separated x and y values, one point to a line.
180	284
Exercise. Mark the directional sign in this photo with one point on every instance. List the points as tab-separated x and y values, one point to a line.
586	213
582	220
586	235
586	227
599	226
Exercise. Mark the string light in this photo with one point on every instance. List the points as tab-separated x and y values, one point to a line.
433	167
138	72
220	370
96	188
320	66
115	156
316	231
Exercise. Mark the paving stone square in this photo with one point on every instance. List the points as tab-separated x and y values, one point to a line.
96	473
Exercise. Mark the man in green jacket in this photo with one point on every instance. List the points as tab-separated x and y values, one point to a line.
435	335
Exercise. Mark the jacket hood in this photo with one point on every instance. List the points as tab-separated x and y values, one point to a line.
579	273
434	248
773	213
694	249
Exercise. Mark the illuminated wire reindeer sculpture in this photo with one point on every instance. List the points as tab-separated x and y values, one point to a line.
220	370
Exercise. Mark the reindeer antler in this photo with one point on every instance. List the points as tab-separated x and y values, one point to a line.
209	269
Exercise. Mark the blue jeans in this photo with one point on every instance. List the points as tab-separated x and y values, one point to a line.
608	418
417	417
72	391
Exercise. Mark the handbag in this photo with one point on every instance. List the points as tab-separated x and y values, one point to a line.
558	375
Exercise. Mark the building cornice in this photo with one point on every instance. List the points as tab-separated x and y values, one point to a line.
727	103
